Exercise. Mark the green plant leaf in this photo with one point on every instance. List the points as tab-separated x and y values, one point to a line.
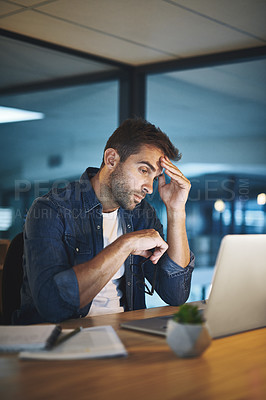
188	314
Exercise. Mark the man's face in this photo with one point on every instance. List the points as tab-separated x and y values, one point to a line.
134	178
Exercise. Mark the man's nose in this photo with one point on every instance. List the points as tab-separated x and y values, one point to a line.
148	187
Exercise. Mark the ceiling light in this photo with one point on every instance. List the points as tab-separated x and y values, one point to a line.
8	114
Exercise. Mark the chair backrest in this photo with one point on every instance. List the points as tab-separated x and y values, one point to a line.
4	244
12	278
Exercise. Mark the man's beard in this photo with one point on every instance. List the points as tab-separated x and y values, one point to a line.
121	192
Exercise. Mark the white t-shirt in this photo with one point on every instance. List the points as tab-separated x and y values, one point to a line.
107	300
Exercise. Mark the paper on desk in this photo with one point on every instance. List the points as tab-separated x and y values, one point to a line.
97	342
17	338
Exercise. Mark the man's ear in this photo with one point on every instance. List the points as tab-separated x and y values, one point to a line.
111	158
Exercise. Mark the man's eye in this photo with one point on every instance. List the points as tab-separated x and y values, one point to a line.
143	171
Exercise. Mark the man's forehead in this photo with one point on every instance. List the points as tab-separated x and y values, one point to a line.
150	156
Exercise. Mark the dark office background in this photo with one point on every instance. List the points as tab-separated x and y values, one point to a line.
210	102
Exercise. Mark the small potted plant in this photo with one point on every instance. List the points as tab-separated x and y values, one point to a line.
187	334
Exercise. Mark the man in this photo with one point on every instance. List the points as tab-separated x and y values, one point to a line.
83	245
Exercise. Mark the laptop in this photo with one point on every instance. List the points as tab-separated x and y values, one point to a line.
237	300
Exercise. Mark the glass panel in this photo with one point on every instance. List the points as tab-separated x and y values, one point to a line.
71	137
216	117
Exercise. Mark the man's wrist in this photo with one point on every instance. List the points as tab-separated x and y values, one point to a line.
126	243
176	215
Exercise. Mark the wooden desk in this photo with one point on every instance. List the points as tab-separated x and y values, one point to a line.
231	368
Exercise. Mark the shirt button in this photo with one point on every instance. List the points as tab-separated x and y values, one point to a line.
77	249
98	227
129	226
129	284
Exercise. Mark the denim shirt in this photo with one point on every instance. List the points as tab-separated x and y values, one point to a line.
64	228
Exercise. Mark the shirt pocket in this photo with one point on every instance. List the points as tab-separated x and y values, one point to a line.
78	250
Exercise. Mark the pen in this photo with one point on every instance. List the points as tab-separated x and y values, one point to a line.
66	337
50	342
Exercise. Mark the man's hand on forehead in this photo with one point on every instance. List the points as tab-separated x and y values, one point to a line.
175	193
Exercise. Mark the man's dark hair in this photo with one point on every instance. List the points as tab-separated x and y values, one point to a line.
134	133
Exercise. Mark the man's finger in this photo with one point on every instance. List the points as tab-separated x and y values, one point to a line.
171	170
145	253
181	179
161	181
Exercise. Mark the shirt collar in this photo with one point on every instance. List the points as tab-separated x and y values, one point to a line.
88	194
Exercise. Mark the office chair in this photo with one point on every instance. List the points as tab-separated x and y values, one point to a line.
12	278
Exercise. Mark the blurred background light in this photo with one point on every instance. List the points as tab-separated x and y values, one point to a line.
261	199
8	114
5	218
219	205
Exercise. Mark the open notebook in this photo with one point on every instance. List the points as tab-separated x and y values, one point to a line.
96	342
18	338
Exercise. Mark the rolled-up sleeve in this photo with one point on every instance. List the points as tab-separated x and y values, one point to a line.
174	282
51	278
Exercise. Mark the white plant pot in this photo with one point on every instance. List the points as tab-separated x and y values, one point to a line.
187	340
